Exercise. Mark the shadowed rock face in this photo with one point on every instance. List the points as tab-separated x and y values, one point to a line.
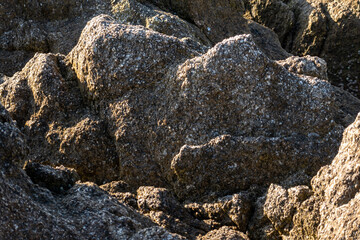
328	211
54	26
328	29
82	212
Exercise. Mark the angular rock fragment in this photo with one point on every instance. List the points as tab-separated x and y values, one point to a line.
231	210
58	180
134	13
166	211
13	148
225	233
308	65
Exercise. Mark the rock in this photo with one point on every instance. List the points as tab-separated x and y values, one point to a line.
232	170
146	60
225	233
165	106
220	20
58	180
88	142
336	187
327	211
217	141
231	210
260	227
46	103
83	212
134	13
48	29
328	29
267	41
115	186
54	27
275	14
155	233
281	205
13	148
308	65
39	26
166	211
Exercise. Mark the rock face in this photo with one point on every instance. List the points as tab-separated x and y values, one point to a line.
165	114
82	212
219	20
13	147
328	211
54	27
194	127
328	29
45	101
239	106
42	26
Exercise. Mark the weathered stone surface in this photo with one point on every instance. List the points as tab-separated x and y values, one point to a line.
54	26
46	102
83	212
328	29
219	20
58	180
308	65
12	143
136	57
166	104
231	210
225	233
134	13
163	209
51	26
281	205
133	107
331	209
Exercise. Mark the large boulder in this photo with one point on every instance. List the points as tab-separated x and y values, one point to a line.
162	108
124	105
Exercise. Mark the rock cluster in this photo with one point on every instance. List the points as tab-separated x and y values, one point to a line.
176	120
328	29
